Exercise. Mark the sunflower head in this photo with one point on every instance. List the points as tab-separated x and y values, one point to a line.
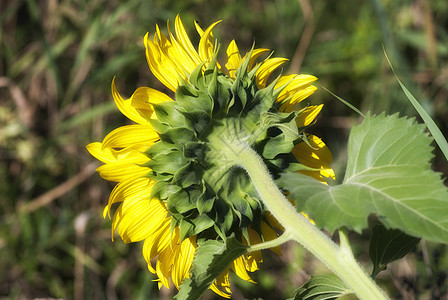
176	185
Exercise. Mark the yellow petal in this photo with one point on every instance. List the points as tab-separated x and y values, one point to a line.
289	106
206	43
133	187
103	154
131	136
233	58
317	155
126	108
267	68
183	60
184	40
109	155
221	286
157	242
239	267
138	218
295	83
182	263
161	66
166	259
144	97
269	234
255	54
308	115
120	171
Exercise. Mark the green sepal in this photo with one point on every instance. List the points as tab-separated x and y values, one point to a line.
182	201
198	120
282	135
264	99
195	151
196	77
211	259
158	176
205	204
168	114
194	225
167	163
162	190
222	215
388	245
191	99
220	95
158	148
178	137
211	70
241	83
187	176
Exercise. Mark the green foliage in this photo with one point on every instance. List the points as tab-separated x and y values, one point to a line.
388	245
388	174
61	57
433	128
211	259
321	287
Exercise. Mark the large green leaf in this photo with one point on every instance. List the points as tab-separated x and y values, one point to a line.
322	287
211	259
388	245
388	174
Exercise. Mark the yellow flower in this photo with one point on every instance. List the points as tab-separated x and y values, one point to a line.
129	154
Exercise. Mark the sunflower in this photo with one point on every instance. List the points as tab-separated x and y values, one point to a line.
174	185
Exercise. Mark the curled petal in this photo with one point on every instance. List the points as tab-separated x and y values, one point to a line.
127	109
239	267
221	286
110	155
206	43
255	54
144	97
308	115
266	69
166	259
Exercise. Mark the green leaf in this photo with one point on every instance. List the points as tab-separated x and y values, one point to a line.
435	131
322	287
388	174
211	259
388	245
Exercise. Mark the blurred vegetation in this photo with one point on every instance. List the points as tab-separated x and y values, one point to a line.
57	60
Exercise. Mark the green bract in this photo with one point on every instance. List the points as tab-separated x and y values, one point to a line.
205	194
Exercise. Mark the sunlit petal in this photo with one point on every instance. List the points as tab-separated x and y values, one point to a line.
315	155
267	68
308	115
131	136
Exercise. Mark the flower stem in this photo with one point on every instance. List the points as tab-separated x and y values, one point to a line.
285	237
340	260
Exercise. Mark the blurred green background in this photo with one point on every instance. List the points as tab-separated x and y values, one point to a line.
57	61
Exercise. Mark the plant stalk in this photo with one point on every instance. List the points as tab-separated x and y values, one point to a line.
339	260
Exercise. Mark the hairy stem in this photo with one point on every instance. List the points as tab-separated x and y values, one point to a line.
285	237
340	260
